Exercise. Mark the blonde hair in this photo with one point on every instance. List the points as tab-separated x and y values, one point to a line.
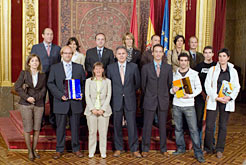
31	56
94	66
131	36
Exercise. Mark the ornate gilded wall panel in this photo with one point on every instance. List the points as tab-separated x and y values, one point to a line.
5	43
29	27
205	14
177	20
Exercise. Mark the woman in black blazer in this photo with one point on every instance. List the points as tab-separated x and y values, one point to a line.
134	55
31	101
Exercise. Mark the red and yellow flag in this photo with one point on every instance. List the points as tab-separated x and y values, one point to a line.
151	23
134	23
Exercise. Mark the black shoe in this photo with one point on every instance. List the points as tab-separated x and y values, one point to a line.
201	159
178	152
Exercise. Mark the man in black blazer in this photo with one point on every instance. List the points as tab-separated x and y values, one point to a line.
125	80
156	82
49	54
98	54
64	107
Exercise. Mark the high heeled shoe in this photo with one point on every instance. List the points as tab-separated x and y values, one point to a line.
30	156
36	155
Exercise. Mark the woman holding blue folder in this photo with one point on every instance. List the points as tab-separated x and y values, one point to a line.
98	110
223	104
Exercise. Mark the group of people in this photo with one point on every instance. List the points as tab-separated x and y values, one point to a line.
109	84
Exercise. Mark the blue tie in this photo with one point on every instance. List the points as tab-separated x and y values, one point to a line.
69	71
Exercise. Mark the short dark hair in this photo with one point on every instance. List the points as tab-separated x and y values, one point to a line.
71	39
177	37
99	34
224	50
45	29
184	55
154	36
158	45
120	47
208	47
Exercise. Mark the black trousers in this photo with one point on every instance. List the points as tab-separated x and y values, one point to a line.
130	116
147	129
199	106
61	120
209	133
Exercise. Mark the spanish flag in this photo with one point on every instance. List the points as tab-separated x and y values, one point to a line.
134	23
151	24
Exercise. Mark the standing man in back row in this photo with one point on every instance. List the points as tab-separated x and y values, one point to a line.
98	54
195	56
49	54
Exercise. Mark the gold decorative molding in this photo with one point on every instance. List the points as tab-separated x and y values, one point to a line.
205	14
177	20
5	43
29	27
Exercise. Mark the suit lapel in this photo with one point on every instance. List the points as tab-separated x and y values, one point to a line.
63	71
103	53
39	79
44	49
103	85
117	71
153	70
73	70
127	71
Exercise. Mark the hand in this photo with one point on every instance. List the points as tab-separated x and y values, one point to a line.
31	100
227	99
100	112
64	98
95	112
221	99
80	97
186	96
204	96
175	89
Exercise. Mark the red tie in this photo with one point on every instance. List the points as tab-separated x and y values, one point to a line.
48	50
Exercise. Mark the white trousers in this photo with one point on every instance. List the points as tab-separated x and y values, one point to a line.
100	124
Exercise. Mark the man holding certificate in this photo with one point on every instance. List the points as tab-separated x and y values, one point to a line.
63	84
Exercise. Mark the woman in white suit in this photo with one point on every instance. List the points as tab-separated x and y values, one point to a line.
98	110
220	74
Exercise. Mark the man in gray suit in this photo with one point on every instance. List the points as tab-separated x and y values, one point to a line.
64	107
125	79
157	79
49	54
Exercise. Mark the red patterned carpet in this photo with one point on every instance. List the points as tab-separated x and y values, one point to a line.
235	151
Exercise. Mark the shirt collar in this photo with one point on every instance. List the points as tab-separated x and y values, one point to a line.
124	64
100	48
155	63
46	45
227	69
65	63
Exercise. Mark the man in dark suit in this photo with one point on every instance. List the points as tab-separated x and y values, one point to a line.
125	80
156	82
63	106
49	54
98	54
196	57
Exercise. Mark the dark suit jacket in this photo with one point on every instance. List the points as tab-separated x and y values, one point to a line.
92	57
199	59
38	92
131	84
147	57
39	49
56	86
156	90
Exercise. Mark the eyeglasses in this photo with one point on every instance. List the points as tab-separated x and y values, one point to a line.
67	53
